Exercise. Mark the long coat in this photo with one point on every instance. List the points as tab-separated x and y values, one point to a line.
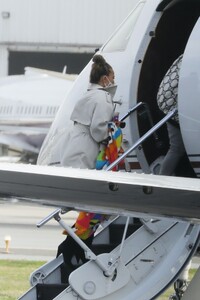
90	126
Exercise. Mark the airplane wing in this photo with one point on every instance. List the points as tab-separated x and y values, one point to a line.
30	143
92	190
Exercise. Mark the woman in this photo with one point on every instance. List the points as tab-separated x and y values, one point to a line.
90	116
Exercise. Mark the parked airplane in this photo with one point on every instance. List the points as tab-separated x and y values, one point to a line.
143	265
28	105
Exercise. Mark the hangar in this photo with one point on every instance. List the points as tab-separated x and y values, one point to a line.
51	34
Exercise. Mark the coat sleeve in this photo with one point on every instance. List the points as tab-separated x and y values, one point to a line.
102	114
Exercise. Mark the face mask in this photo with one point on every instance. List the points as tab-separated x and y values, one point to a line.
111	89
109	83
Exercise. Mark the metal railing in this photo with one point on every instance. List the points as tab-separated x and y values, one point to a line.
142	139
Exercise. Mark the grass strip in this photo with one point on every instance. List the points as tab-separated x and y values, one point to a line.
14	278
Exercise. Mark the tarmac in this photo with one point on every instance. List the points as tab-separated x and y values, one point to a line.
25	240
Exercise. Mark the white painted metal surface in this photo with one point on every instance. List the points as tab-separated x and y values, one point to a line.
189	94
89	190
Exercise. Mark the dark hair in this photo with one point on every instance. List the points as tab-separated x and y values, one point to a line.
99	68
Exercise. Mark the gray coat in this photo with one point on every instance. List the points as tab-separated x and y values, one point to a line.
90	126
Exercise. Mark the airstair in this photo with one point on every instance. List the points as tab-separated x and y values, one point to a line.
125	262
147	259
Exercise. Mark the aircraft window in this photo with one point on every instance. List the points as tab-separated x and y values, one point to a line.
8	110
120	38
3	109
50	112
54	110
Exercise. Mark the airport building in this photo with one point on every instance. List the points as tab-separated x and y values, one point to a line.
51	34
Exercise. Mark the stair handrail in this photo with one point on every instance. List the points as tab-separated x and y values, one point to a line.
108	269
142	139
131	110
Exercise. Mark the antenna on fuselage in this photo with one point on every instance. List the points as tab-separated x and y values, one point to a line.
64	70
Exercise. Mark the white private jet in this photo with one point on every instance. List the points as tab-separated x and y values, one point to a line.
142	265
28	105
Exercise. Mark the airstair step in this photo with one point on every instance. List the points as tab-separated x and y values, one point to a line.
49	291
102	248
116	231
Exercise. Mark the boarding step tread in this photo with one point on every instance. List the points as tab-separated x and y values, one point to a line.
116	231
49	291
102	248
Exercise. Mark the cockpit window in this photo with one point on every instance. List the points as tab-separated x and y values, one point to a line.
120	38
